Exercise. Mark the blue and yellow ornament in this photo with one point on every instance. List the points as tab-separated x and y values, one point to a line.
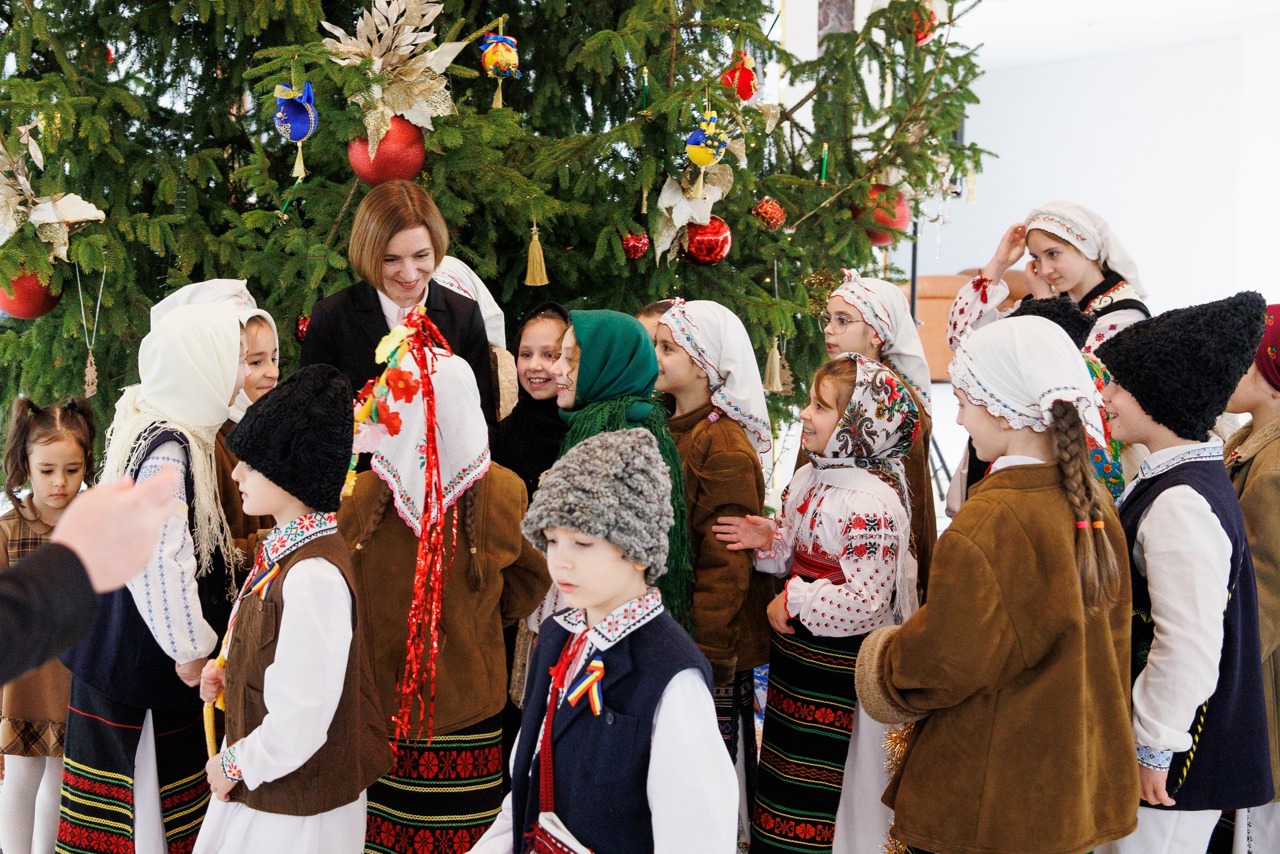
499	58
706	146
296	118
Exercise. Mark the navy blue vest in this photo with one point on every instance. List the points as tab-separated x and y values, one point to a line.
120	658
1228	766
601	762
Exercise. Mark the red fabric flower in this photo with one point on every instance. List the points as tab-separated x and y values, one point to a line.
402	384
388	418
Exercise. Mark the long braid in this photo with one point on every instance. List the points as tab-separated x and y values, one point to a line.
466	505
1095	559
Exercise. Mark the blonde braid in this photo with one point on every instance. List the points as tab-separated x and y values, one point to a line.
1095	559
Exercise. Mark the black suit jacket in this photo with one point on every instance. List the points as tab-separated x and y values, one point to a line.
347	326
46	604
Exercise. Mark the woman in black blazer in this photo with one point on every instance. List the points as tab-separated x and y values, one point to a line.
397	239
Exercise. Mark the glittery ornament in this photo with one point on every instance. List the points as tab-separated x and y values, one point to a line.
635	245
769	212
818	286
710	243
400	155
892	210
300	328
30	298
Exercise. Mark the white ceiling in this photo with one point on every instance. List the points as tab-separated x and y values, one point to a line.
1027	32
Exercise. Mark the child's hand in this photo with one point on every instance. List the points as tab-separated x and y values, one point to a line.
190	672
1153	784
212	679
1012	246
744	532
778	616
1037	285
220	784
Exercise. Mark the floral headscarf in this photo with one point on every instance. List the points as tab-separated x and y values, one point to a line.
876	430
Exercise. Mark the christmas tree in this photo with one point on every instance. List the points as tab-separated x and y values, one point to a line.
161	116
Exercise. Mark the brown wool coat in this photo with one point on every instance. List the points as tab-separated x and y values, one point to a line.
722	477
1027	745
244	527
471	670
1255	473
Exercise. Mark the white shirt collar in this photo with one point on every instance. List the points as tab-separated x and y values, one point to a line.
1013	460
1159	462
619	623
392	312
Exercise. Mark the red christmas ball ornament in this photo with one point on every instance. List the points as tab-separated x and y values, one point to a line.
892	210
30	298
635	245
300	328
769	212
400	154
710	243
925	30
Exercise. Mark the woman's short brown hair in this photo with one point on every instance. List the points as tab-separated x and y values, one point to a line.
389	209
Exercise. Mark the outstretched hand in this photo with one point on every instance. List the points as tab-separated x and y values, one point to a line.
744	532
114	528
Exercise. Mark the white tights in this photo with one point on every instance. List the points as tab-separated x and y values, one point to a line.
29	801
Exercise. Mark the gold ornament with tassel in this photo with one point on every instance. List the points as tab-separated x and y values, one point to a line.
499	58
536	273
773	370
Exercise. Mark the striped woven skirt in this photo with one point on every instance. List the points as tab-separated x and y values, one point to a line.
98	777
439	797
808	722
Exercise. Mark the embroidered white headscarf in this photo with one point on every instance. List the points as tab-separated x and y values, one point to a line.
719	345
1077	226
457	275
234	291
1018	368
884	307
461	434
188	364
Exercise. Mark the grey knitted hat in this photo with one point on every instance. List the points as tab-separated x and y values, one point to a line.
614	486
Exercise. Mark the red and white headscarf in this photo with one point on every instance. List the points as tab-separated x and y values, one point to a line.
883	306
1268	356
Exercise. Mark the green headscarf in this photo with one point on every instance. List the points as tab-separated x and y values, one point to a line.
617	367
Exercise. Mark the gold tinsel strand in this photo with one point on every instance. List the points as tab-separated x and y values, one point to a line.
896	740
818	285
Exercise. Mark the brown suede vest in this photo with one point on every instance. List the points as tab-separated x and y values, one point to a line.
356	752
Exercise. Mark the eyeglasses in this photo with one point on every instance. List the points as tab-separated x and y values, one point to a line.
840	321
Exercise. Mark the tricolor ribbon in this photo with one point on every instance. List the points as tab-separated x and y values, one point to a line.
589	685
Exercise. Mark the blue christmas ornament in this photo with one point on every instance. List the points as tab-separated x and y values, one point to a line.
296	118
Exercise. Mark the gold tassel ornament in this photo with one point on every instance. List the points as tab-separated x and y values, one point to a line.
773	370
536	273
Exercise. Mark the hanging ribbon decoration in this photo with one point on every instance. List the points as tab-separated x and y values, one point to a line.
296	119
90	367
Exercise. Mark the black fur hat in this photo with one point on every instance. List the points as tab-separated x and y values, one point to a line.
299	436
1063	311
1183	365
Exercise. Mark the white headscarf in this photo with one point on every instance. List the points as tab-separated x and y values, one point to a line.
719	345
461	434
1080	227
883	306
456	275
188	364
1018	368
234	291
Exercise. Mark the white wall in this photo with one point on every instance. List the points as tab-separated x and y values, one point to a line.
1177	147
